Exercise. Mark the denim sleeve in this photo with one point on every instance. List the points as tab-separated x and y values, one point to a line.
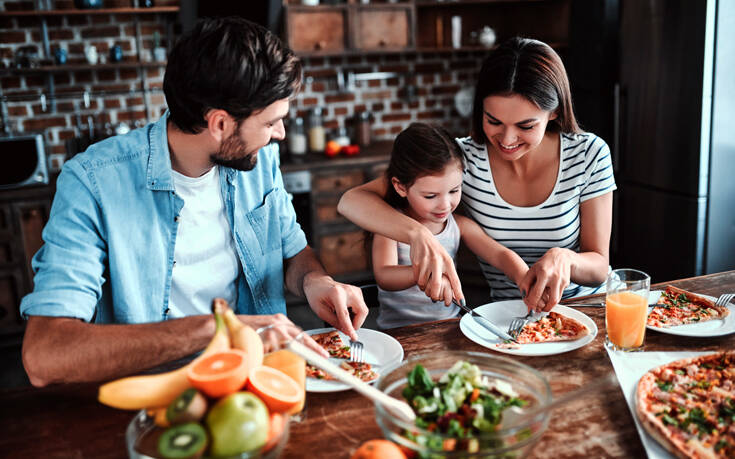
70	265
293	239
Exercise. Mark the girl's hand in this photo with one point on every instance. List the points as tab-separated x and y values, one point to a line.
551	274
431	263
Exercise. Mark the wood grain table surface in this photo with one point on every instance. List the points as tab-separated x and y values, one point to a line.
66	421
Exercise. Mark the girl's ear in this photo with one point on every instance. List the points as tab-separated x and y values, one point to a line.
553	115
399	187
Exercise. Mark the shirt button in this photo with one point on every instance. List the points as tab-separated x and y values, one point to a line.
176	219
166	311
174	262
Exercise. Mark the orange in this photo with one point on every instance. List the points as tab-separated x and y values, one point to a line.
278	390
219	374
332	148
292	365
378	449
276	427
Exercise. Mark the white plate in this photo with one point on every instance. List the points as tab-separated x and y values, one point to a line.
381	351
501	313
709	329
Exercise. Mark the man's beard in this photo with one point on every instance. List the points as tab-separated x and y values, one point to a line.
230	151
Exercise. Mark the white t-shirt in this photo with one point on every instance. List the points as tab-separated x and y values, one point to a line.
412	306
206	264
585	173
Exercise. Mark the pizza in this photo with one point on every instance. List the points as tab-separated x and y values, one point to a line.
553	327
332	342
689	405
679	307
362	371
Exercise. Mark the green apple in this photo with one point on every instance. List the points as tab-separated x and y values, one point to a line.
237	423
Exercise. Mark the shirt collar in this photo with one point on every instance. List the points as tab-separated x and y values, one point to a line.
158	176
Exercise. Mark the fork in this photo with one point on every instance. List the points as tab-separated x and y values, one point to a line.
724	299
517	324
357	351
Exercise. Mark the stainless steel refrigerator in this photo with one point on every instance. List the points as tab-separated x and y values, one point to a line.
674	151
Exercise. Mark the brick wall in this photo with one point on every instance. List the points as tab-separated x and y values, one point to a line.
435	77
116	93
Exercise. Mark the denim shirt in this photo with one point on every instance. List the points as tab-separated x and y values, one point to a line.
109	242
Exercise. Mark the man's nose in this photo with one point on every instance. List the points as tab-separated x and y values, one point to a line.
279	132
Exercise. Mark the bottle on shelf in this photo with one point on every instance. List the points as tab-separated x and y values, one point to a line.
317	134
296	137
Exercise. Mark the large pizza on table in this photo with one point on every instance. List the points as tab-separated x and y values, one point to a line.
689	405
680	307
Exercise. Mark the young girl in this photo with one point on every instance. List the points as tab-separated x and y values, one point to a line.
534	182
425	183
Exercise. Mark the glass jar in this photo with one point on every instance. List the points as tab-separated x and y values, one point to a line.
317	134
296	137
341	137
362	128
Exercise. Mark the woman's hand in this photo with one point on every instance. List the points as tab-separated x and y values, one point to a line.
431	264
550	275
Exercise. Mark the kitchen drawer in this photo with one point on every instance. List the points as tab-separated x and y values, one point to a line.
320	30
343	253
337	182
326	211
384	27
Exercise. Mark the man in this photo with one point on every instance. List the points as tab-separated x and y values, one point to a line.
147	228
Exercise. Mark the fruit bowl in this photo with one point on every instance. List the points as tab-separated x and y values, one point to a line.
141	438
507	441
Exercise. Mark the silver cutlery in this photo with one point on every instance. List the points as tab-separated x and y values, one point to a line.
484	322
357	351
724	299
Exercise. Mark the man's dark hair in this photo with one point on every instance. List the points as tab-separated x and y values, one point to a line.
529	68
230	64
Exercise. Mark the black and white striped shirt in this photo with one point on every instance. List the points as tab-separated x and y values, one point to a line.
585	173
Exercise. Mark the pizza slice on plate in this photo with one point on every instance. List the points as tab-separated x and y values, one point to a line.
332	343
689	405
680	307
363	371
553	327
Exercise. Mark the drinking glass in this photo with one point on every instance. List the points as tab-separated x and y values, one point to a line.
280	358
626	309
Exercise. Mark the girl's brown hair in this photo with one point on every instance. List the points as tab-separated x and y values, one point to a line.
529	68
420	149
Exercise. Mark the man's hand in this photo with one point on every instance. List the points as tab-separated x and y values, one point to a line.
276	330
330	300
431	263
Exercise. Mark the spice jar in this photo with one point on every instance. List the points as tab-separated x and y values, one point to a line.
317	134
362	128
296	136
341	137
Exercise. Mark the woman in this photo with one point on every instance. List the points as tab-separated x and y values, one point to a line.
534	182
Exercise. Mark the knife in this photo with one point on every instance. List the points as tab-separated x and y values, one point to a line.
602	305
484	322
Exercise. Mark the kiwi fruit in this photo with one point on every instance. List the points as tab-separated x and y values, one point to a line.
190	406
183	441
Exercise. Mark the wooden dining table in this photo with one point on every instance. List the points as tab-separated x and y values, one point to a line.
66	421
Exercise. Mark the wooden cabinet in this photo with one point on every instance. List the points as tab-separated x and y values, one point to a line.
350	26
340	244
23	213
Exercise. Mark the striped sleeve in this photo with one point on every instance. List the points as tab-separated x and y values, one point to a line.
598	170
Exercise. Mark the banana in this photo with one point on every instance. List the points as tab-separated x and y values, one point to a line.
243	336
138	392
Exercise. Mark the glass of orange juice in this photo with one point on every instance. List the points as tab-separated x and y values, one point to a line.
277	356
626	309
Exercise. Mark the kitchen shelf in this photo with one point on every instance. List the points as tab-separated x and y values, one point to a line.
80	12
452	3
79	67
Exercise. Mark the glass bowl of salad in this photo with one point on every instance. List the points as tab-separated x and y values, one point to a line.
459	398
